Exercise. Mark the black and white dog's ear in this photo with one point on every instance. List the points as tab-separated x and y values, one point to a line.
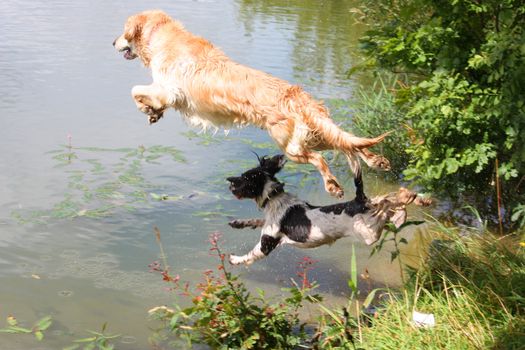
273	165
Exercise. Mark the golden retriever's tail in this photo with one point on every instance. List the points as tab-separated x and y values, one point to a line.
363	142
371	159
351	145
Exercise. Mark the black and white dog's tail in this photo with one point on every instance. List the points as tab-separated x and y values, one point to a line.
359	188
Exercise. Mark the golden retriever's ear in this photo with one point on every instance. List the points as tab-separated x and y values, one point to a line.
134	27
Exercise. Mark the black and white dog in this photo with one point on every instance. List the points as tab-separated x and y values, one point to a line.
290	220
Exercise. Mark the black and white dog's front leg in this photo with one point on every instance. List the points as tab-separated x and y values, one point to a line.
261	249
243	223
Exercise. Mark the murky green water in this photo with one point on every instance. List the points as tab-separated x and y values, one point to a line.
84	177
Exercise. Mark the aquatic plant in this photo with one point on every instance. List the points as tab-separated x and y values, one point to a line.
97	341
99	186
37	329
205	139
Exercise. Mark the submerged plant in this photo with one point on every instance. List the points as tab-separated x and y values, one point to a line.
98	187
37	330
97	341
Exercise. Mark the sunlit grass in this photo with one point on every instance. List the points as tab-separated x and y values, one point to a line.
474	285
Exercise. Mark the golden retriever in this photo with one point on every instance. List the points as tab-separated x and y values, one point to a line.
210	90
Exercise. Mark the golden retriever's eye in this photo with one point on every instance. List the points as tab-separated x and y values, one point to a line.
134	27
130	33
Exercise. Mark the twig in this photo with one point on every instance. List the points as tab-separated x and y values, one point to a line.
498	195
162	254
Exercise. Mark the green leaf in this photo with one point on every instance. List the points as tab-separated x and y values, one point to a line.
39	335
352	282
410	223
10	330
44	323
516	215
17	329
85	340
332	314
370	297
11	321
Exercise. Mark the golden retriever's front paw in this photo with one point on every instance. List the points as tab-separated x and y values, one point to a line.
153	114
153	118
147	109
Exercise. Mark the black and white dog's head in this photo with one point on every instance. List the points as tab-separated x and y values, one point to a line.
259	183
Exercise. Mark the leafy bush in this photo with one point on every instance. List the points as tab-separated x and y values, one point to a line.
224	315
464	95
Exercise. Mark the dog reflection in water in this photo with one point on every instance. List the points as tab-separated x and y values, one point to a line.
290	220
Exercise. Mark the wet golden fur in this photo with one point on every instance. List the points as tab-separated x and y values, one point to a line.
210	90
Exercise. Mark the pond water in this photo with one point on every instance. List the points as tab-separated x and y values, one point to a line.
84	176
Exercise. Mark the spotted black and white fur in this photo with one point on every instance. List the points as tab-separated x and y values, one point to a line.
290	220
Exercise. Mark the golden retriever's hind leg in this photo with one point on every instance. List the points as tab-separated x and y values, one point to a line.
330	182
150	100
374	160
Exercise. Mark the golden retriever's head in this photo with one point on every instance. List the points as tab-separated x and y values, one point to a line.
138	31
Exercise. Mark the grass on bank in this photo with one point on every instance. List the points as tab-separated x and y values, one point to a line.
473	283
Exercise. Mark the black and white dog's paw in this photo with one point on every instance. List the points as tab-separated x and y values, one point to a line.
238	260
235	260
237	224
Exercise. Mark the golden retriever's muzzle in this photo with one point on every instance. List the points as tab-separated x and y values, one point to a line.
122	45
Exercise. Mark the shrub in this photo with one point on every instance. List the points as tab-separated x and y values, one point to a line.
464	97
224	315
